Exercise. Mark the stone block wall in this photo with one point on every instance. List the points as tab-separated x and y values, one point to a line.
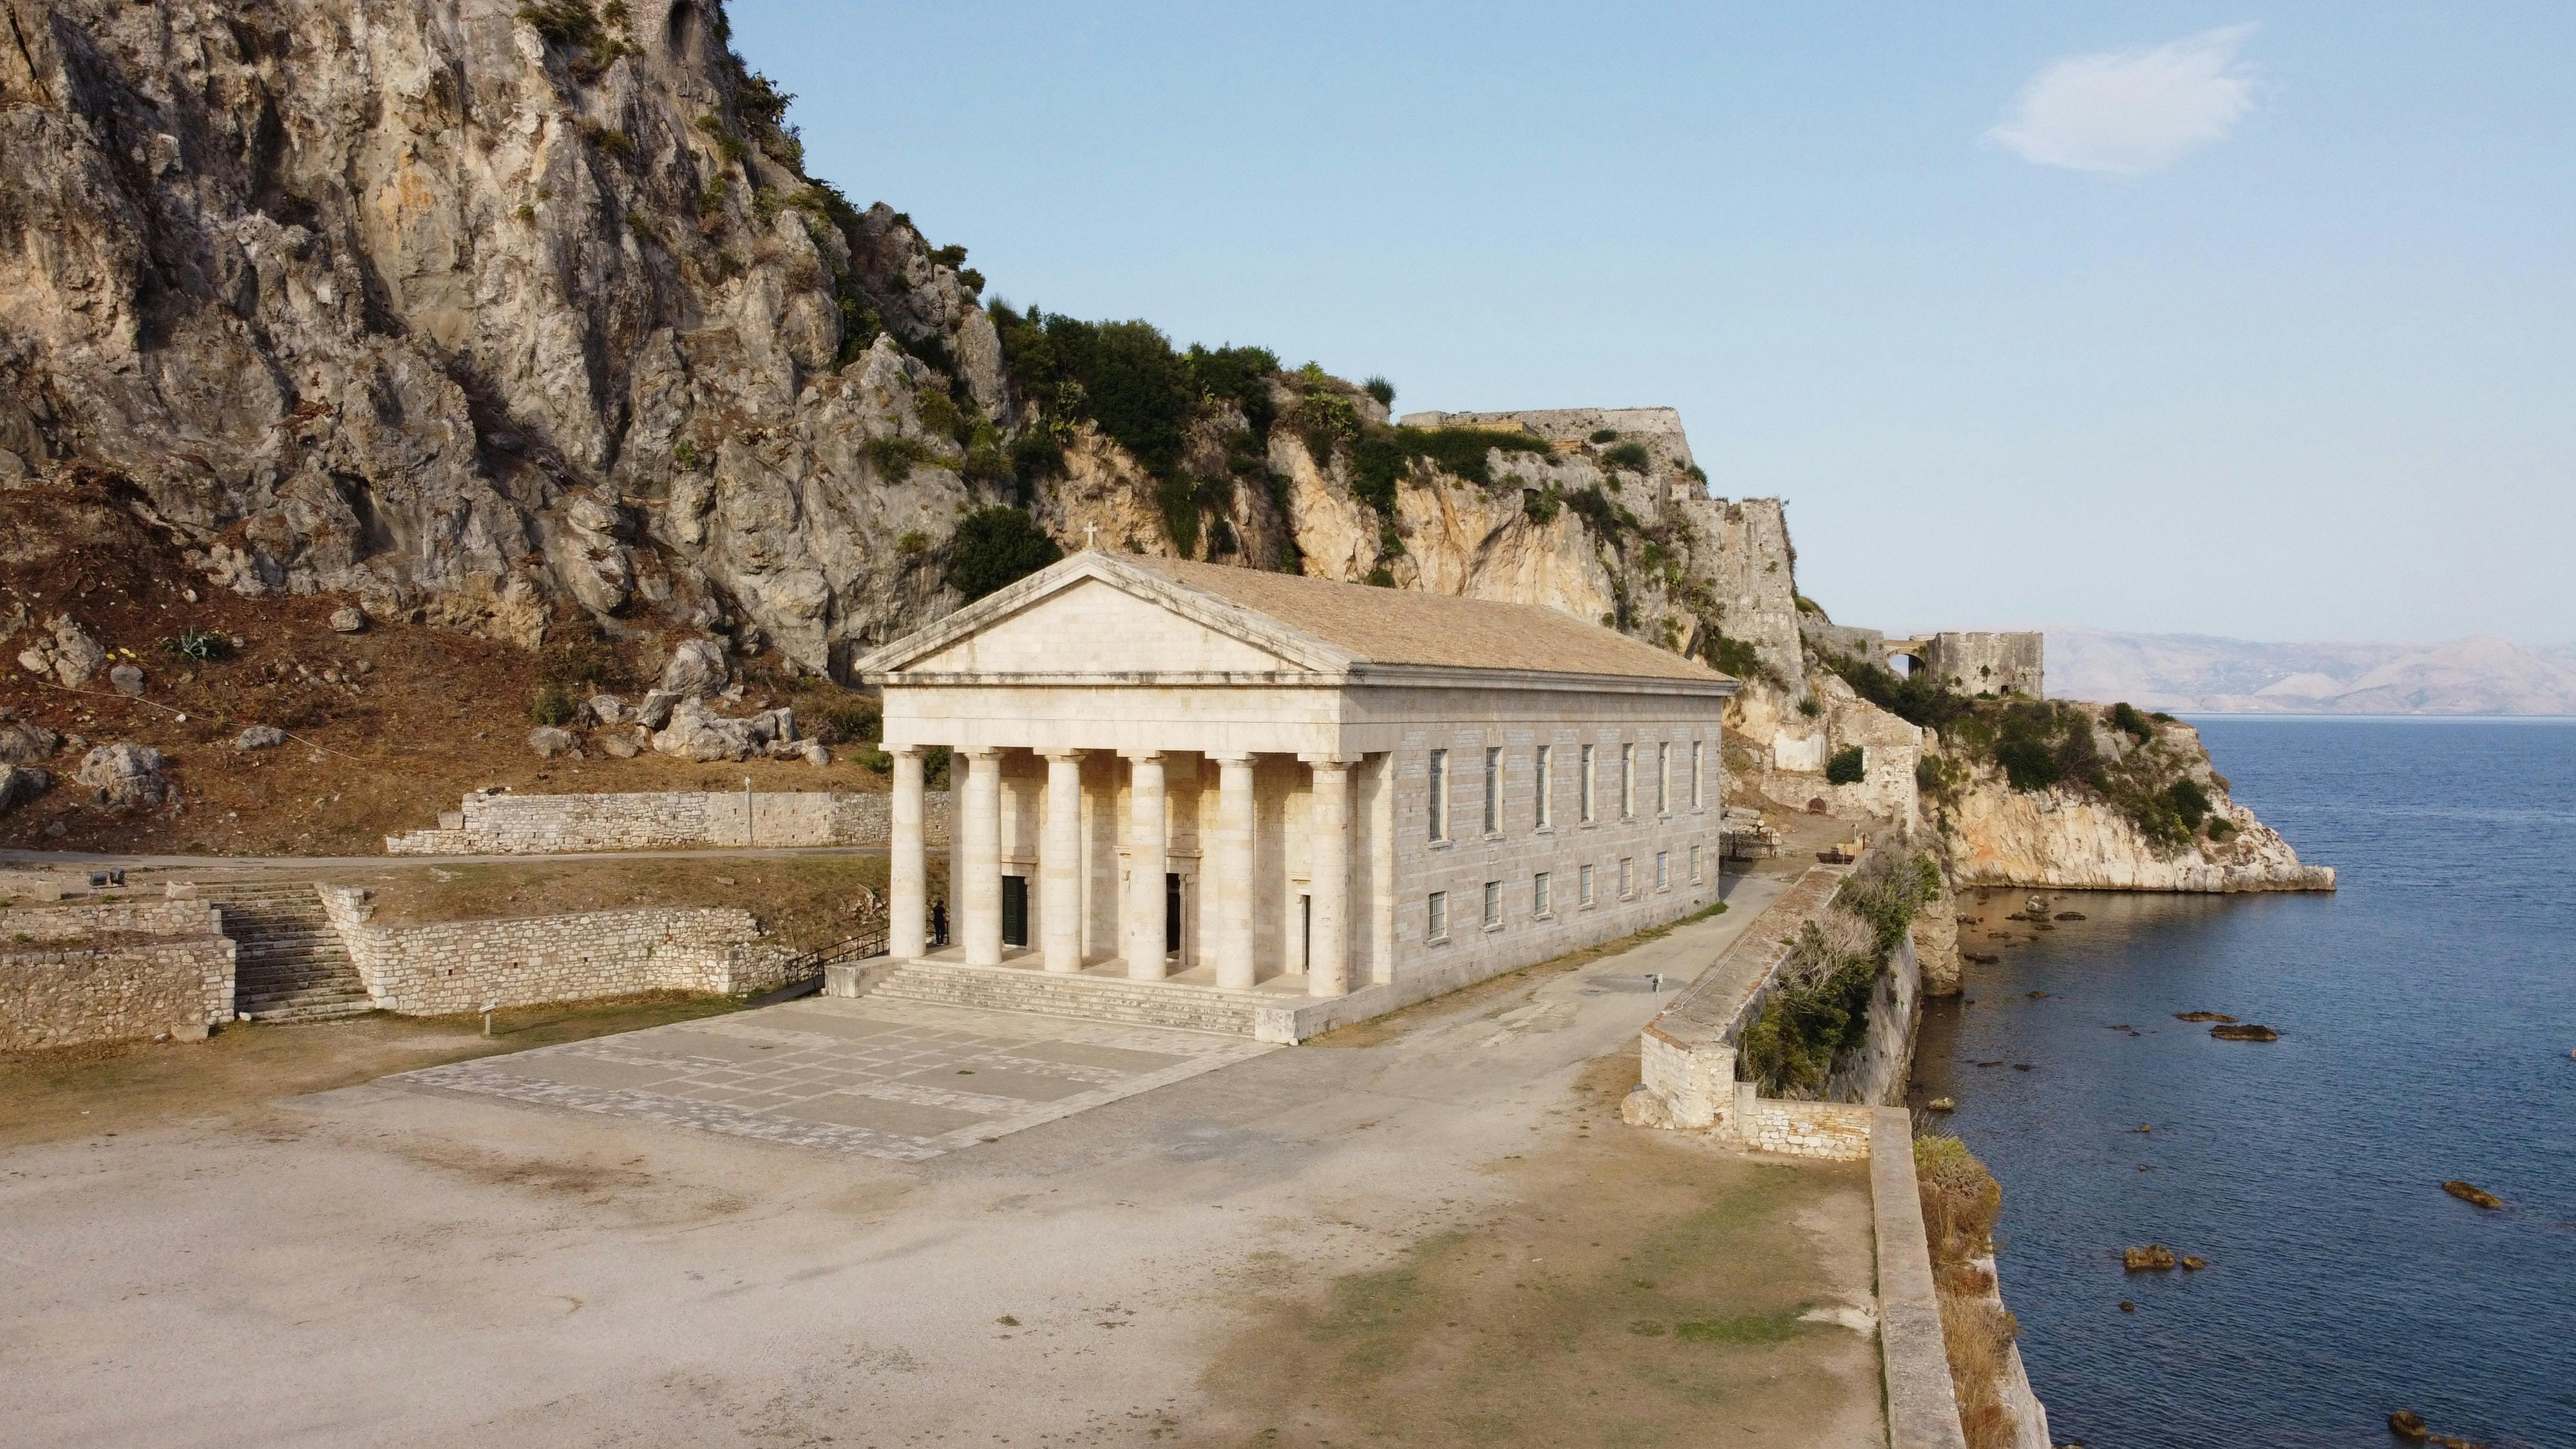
1980	663
513	824
111	971
452	967
1834	1131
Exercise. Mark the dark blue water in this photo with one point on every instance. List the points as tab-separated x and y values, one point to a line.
2426	1014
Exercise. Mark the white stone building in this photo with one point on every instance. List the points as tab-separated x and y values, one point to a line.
1324	800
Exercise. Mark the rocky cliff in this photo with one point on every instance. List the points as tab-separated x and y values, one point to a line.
524	320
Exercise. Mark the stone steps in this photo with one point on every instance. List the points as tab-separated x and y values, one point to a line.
1084	998
288	962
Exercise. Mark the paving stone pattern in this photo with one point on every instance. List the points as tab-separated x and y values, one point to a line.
893	1079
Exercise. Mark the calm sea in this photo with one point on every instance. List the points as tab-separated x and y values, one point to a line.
2426	1014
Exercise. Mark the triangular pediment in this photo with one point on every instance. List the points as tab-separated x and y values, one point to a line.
1092	615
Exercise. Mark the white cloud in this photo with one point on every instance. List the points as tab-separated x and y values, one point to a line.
2129	112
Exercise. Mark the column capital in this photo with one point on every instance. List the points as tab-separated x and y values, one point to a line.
1232	757
1062	752
905	752
1321	760
1144	757
977	752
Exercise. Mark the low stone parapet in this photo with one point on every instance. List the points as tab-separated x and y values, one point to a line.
505	823
1833	1131
451	967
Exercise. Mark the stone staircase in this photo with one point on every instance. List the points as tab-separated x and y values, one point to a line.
288	963
1086	998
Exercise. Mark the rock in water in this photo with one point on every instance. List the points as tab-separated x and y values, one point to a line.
2244	1031
2202	1016
2471	1193
2154	1257
1940	1104
2409	1425
2192	1264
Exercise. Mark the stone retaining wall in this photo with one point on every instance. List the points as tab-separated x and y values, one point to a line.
1687	1054
1834	1131
452	967
512	824
112	971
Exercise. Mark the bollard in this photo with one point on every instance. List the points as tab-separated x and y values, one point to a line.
487	1016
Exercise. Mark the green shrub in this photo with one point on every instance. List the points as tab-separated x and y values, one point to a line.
1381	576
1381	389
203	645
2220	827
1961	1200
842	724
995	548
2126	719
553	706
1542	506
940	414
1240	375
895	457
1036	454
913	544
2190	803
1178	499
1631	456
1732	656
1605	435
1326	420
2029	763
1847	767
1809	707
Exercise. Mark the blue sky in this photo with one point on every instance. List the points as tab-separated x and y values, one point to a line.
2245	319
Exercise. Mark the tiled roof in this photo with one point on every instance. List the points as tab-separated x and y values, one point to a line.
1403	627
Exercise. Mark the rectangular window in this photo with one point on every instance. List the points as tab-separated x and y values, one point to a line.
1440	794
1543	780
1663	870
1663	778
1694	865
1539	902
1438	925
1697	801
1627	782
1493	905
1493	792
1627	877
1583	886
1587	784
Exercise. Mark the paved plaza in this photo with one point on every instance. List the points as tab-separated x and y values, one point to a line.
893	1079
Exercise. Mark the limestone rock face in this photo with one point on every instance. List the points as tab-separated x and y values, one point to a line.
2053	838
697	669
417	303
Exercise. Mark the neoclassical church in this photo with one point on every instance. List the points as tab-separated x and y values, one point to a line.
1325	800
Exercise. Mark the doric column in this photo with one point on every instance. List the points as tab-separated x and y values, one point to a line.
1060	864
1147	861
979	897
907	885
1231	872
1328	971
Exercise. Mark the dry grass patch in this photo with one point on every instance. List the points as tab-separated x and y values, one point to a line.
1961	1203
1636	1288
107	1088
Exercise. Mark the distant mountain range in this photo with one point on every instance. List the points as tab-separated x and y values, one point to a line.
2198	673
